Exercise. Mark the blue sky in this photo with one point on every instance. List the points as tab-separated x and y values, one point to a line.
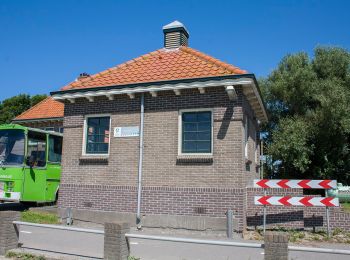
46	44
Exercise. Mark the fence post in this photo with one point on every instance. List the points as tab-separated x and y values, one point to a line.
276	245
8	233
229	223
116	246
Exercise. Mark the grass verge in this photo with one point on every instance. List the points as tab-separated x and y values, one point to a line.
302	236
26	256
346	206
23	256
39	217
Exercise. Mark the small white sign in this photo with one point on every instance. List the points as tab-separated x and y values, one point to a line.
128	131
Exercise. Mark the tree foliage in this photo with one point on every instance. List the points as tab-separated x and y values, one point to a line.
14	106
308	101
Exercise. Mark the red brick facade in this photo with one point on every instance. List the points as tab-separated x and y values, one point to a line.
171	185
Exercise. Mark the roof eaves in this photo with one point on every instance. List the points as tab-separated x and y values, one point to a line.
152	83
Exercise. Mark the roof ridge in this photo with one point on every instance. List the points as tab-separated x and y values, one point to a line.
31	108
97	75
213	60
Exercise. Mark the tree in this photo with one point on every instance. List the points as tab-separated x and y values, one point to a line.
308	101
14	106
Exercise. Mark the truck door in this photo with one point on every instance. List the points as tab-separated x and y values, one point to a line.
34	187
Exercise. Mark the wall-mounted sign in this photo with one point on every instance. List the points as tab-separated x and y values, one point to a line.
127	131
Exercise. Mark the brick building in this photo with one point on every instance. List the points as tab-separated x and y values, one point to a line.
170	136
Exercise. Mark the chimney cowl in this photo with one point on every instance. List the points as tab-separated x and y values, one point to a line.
83	75
175	35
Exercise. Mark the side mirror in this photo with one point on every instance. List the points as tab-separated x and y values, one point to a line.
30	161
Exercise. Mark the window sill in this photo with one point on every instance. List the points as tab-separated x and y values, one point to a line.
194	158
93	159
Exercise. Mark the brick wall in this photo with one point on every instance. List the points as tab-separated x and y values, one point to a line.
171	186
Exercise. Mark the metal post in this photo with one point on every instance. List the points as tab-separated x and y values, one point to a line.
69	219
262	161
264	213
327	216
229	222
139	186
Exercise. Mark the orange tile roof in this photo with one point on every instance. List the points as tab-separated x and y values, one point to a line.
48	108
162	64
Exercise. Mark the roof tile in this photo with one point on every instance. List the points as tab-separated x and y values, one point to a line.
162	64
48	108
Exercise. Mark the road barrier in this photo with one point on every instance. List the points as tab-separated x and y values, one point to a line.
296	201
308	201
116	238
295	184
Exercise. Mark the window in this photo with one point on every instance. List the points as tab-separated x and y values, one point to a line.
55	148
97	135
11	147
37	148
196	132
50	129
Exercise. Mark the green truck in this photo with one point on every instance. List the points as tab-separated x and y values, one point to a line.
30	164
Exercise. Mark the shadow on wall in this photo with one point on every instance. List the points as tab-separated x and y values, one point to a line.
226	120
277	218
285	218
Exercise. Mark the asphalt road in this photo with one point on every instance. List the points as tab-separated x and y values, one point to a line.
91	245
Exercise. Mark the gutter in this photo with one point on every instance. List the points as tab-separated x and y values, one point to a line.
155	83
37	120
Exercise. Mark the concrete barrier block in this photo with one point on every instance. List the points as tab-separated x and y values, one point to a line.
8	233
276	246
115	243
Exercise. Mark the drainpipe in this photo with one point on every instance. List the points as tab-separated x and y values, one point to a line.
139	184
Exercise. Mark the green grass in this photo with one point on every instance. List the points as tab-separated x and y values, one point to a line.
39	217
26	256
23	256
346	206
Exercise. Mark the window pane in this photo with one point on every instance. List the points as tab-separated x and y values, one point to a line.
190	136
204	126
97	135
55	148
37	148
12	147
189	147
190	126
204	136
204	147
204	116
196	132
189	117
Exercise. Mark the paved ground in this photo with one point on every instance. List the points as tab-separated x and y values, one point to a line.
78	245
82	244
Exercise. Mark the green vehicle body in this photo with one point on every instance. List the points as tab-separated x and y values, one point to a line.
26	180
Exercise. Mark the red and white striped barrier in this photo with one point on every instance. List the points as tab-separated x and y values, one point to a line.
296	201
299	184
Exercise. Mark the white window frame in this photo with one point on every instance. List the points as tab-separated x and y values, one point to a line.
85	131
180	131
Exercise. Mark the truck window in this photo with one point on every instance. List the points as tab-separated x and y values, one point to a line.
37	148
11	147
55	148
